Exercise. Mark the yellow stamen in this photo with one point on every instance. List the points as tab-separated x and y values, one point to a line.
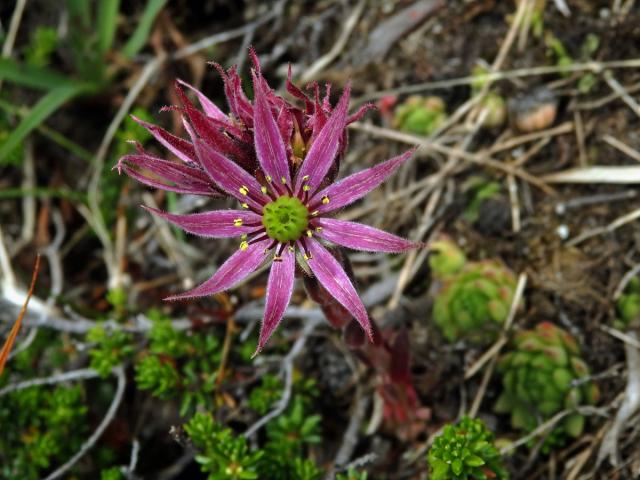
325	200
291	249
314	213
244	246
245	205
318	229
305	178
244	237
263	190
283	180
244	190
307	257
237	222
268	178
309	233
306	188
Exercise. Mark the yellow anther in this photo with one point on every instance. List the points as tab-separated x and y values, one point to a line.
307	257
244	246
244	190
263	190
318	229
305	178
314	213
245	205
309	233
325	200
268	178
291	249
283	180
306	188
244	237
237	222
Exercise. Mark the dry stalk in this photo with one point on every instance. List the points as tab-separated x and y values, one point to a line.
630	404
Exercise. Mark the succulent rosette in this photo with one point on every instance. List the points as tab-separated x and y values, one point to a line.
473	298
420	115
628	305
286	199
465	451
540	377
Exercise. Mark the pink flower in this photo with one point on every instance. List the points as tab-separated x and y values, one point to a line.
231	135
286	201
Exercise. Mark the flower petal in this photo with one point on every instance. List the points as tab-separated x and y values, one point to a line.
268	141
324	148
214	224
185	179
212	130
361	237
210	108
279	290
236	268
333	277
229	176
356	186
238	102
176	145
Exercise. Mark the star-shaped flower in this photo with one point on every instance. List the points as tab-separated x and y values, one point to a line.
286	208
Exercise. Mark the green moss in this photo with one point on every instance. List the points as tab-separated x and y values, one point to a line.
465	451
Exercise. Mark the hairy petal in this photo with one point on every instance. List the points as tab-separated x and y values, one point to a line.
356	186
324	148
229	176
185	179
279	290
361	112
269	145
176	145
237	267
333	277
212	130
361	237
210	108
238	102
214	224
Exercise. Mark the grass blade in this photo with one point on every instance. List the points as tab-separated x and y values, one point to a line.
107	22
139	37
30	76
39	113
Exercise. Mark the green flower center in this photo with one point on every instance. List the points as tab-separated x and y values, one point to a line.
285	219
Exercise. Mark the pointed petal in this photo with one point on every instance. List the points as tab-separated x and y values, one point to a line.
333	277
361	237
238	102
229	177
210	129
297	93
324	148
279	290
237	267
164	173
269	144
360	112
356	186
214	224
210	108
176	145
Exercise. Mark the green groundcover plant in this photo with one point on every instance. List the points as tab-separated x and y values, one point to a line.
541	375
473	298
465	451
